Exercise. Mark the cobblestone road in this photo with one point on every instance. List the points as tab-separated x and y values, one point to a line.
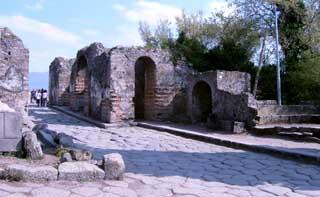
160	164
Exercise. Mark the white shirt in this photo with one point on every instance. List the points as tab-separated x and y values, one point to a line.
44	95
38	95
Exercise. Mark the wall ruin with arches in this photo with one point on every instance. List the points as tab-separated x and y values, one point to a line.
121	84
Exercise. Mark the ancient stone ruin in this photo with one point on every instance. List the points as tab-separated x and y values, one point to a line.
221	98
60	71
121	84
14	69
14	72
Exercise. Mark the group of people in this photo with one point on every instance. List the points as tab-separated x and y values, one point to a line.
40	96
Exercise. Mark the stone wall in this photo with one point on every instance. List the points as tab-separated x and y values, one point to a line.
161	83
230	97
14	71
59	80
105	84
88	79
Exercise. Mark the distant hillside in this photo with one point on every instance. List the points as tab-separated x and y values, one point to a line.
38	80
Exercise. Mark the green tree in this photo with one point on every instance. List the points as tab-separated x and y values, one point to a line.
305	79
292	23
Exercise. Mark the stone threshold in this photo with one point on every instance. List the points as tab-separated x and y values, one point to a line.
227	140
281	152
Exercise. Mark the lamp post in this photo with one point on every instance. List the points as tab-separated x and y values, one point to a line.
279	97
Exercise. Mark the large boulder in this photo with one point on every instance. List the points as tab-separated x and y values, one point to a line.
80	171
32	146
114	166
19	172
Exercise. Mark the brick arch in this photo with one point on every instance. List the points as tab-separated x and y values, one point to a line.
201	101
80	86
81	76
145	87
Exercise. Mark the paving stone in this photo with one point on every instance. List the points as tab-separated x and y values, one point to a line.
17	195
79	171
309	191
162	162
120	191
117	183
9	188
50	192
3	193
186	191
87	191
274	189
19	172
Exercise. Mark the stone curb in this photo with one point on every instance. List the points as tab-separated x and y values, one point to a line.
303	158
78	116
273	151
86	119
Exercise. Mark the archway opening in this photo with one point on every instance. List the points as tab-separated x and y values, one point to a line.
145	85
81	82
201	102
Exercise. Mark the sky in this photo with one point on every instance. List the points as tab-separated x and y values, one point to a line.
52	28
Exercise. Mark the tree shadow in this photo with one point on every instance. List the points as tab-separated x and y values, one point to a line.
42	115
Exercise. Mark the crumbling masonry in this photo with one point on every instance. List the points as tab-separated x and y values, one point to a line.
14	72
121	84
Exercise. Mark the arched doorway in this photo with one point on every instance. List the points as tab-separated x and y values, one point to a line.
145	85
82	86
201	102
81	82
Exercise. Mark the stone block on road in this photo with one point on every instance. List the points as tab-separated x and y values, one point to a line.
32	146
114	166
80	171
19	172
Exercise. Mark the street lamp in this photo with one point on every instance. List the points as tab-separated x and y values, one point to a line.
278	59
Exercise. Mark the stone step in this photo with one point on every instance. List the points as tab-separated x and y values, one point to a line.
270	129
288	110
292	118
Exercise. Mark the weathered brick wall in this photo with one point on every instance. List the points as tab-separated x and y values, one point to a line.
160	87
231	98
14	74
103	84
234	82
88	79
59	80
14	71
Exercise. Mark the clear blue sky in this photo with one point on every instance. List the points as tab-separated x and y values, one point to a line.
51	28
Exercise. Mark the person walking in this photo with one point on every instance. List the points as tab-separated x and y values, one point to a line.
38	97
44	98
33	95
41	97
